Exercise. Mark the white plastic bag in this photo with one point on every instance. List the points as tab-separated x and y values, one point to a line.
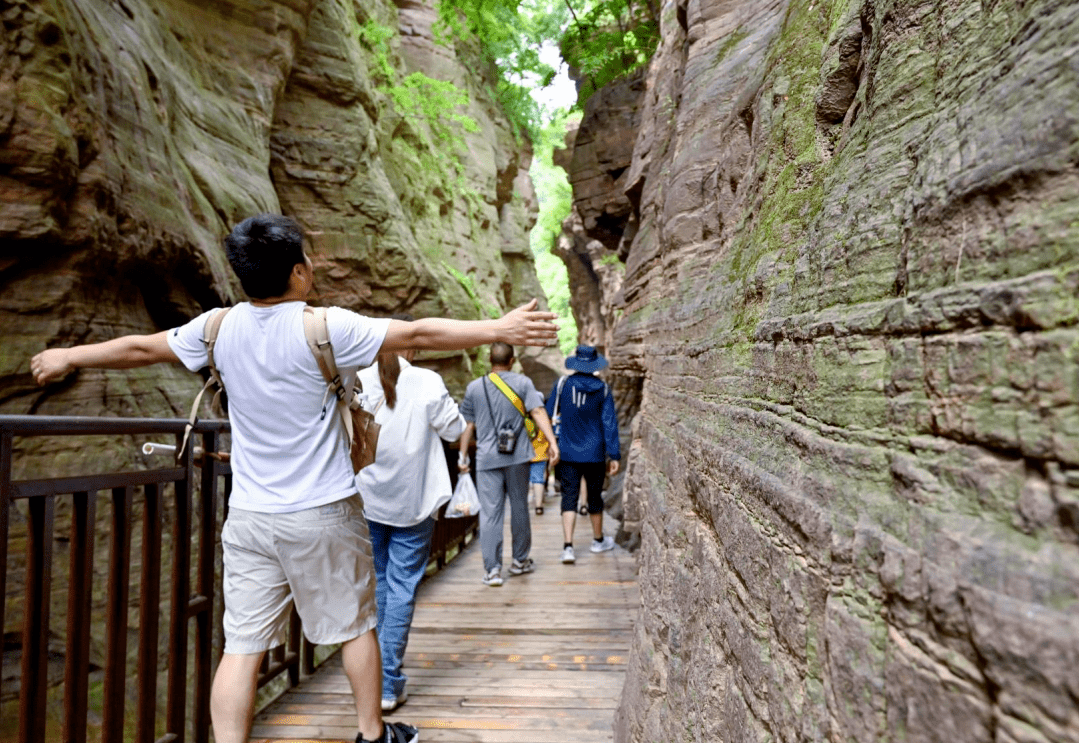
465	501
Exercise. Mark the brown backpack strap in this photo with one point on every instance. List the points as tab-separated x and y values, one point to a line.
209	332
317	334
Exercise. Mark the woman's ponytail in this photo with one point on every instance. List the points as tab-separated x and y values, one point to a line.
389	368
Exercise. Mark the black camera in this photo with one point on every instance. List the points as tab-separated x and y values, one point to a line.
507	440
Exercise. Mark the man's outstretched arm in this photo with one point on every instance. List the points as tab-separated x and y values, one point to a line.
126	352
524	326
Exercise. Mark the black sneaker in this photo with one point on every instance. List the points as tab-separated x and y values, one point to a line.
393	732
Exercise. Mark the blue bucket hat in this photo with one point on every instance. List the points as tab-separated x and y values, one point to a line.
587	360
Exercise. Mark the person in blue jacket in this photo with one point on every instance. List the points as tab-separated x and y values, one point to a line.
587	438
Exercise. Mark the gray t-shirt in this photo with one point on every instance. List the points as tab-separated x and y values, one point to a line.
475	410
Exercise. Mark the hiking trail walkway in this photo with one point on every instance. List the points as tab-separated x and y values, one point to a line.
540	659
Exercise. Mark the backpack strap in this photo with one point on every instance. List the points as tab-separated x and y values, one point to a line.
209	332
558	395
500	383
317	334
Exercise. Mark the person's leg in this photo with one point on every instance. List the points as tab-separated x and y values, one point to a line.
593	474
538	490
232	697
326	554
381	536
409	549
537	479
257	602
569	474
570	477
569	523
380	549
520	522
491	490
362	662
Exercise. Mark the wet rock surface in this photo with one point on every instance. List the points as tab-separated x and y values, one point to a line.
848	307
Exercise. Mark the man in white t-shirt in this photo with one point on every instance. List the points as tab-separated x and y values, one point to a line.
295	531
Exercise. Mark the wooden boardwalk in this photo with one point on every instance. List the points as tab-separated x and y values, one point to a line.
539	660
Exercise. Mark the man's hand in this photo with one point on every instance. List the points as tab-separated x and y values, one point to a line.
553	454
613	466
51	364
525	326
127	352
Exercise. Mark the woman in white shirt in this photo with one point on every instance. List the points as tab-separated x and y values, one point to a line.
402	491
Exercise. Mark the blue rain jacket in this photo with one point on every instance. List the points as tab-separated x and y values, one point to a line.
589	430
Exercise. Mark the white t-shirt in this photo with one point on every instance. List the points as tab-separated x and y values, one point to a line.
409	480
286	454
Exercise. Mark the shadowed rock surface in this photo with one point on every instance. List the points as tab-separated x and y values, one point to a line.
850	294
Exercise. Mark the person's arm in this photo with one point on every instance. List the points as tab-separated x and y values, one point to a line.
540	416
126	352
466	441
610	431
523	326
445	417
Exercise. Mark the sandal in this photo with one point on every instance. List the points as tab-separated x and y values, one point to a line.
539	510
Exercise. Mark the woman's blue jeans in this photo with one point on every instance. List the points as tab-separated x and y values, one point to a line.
400	554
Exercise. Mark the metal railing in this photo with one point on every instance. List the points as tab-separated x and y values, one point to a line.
194	499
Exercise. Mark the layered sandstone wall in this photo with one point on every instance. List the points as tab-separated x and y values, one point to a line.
850	293
134	134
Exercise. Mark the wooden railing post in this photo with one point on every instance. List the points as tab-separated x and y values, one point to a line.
181	595
149	613
35	642
80	589
204	630
5	507
112	725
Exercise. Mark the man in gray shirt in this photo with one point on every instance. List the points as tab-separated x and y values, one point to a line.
494	409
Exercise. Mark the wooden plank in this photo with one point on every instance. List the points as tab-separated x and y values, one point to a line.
541	659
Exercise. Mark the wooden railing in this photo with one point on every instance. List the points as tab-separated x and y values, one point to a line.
195	499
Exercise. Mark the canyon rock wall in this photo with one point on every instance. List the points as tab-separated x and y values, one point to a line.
849	306
135	133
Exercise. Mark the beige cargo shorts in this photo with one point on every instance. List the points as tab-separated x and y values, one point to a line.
318	558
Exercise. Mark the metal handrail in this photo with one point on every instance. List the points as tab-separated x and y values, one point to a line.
192	495
189	494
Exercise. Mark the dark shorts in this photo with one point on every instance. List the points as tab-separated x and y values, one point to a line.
571	473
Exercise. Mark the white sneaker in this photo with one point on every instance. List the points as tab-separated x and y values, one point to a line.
389	704
568	556
518	568
494	577
607	543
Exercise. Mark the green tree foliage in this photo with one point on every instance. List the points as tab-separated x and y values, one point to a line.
433	105
607	40
555	200
600	39
510	35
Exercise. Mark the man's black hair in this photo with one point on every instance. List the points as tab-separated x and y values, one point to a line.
262	251
501	354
